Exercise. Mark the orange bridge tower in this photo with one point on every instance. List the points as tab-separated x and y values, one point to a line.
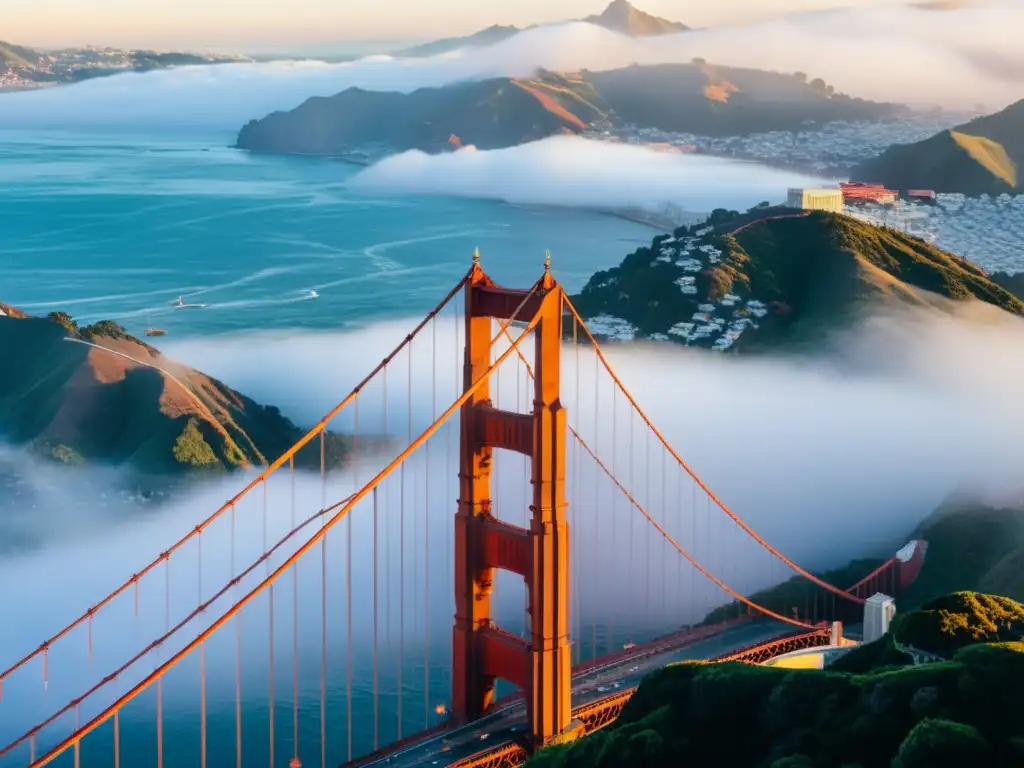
483	652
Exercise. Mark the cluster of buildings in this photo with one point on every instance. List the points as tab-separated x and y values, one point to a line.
716	324
854	194
988	231
829	149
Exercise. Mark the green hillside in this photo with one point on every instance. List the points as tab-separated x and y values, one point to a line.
872	709
984	156
121	402
789	278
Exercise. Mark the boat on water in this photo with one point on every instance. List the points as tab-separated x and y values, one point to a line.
312	295
156	332
180	304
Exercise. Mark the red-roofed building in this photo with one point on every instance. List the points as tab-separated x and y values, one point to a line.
861	192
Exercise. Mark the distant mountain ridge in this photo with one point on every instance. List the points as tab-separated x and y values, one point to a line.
98	395
698	98
775	277
620	16
984	156
22	67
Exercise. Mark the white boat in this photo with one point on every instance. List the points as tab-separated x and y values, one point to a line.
313	295
180	304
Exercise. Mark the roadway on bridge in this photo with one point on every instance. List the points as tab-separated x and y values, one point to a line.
502	726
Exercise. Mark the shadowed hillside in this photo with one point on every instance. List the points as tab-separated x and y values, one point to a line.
788	278
984	156
96	394
872	709
502	112
488	114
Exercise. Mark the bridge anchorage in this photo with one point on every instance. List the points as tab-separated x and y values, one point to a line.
652	549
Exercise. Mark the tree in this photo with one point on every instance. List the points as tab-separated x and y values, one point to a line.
941	743
801	76
64	319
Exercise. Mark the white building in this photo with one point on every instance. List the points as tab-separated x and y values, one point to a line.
878	613
816	200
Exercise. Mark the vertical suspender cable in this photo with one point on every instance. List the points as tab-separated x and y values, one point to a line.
160	722
401	547
295	629
387	536
270	721
615	497
202	705
665	513
238	692
693	572
597	505
323	609
632	533
117	740
348	583
426	532
574	551
376	678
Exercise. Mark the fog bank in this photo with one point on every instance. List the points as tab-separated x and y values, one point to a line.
572	171
957	58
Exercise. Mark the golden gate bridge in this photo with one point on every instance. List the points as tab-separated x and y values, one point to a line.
305	635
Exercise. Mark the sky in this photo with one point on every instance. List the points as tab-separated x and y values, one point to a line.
238	26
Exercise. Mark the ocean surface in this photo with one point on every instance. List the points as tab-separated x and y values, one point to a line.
118	227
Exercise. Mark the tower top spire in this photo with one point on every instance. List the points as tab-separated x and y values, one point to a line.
547	261
476	255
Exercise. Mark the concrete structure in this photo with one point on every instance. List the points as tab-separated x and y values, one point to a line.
878	612
816	200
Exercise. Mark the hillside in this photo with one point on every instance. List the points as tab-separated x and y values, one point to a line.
774	277
16	57
489	36
620	16
501	112
98	395
22	67
984	156
489	114
869	710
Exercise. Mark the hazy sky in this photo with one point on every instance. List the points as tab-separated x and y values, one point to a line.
239	25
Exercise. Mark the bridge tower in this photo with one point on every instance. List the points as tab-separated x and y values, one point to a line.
483	652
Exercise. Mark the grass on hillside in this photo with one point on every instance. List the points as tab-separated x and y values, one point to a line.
991	155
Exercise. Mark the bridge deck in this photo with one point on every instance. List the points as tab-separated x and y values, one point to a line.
622	673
